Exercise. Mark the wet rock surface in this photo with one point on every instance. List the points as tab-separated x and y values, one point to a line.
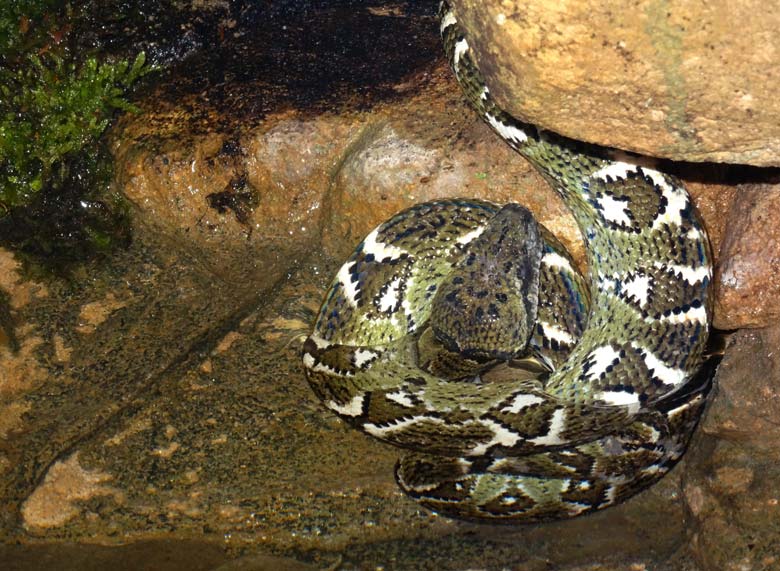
690	81
156	406
748	288
730	486
236	146
214	438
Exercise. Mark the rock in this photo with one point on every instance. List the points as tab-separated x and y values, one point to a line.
19	290
430	147
55	501
339	176
144	314
730	482
231	155
712	200
746	405
686	81
246	207
746	280
94	313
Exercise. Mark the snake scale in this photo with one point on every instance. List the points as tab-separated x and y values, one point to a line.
460	331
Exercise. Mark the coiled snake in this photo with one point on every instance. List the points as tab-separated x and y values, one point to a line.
460	331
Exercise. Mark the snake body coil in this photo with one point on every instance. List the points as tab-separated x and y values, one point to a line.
425	337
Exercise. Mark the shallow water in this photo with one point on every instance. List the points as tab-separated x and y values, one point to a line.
189	405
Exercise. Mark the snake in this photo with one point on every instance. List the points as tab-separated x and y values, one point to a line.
521	391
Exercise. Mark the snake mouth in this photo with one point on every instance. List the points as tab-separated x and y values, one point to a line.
487	357
460	365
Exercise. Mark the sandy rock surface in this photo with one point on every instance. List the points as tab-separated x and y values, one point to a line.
693	81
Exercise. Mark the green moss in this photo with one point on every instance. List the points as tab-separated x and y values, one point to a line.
51	110
16	18
74	220
55	104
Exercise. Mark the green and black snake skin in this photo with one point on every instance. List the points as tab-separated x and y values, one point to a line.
460	331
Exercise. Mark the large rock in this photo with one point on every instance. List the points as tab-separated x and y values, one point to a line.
695	81
246	206
430	147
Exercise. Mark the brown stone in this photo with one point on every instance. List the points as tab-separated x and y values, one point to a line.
747	277
94	313
20	291
11	418
295	175
246	207
695	81
746	405
334	177
433	147
19	369
338	176
713	202
55	501
730	483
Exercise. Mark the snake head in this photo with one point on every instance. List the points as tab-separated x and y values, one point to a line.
486	308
